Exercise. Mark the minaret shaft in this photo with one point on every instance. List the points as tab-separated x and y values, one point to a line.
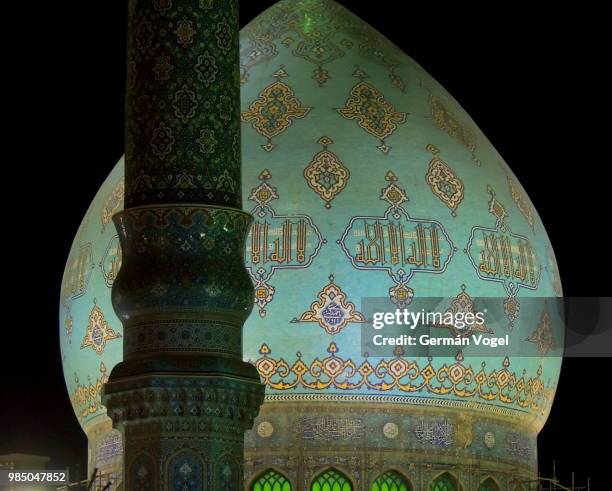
183	397
183	103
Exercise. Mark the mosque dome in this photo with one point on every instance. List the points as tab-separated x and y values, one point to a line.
366	180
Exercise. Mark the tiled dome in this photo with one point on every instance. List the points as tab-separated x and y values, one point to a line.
366	179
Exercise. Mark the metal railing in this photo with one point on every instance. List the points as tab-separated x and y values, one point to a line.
97	482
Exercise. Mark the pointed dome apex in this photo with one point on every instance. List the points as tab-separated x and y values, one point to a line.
323	32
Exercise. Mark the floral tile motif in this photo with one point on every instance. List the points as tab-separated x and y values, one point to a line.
403	375
326	174
462	304
443	182
277	241
113	204
274	110
98	331
521	201
543	336
448	122
332	311
372	111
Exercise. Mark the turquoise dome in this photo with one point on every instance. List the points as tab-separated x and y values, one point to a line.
366	179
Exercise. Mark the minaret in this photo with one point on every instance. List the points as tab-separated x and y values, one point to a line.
183	397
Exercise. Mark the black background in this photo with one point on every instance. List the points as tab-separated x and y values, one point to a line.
530	78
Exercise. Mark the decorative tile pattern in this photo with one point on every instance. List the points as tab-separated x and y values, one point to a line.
372	111
443	182
438	432
405	376
113	204
522	201
330	33
501	256
326	174
328	428
448	122
277	241
181	79
463	304
274	110
543	335
397	243
98	331
86	397
111	261
333	312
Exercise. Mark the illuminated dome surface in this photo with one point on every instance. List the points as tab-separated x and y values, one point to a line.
366	179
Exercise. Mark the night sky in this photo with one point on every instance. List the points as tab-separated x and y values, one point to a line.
529	78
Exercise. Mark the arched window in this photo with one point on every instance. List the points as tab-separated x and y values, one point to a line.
185	470
445	482
331	480
271	480
391	481
488	485
228	473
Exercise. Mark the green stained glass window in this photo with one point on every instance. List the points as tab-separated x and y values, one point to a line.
445	482
391	481
331	480
271	481
488	485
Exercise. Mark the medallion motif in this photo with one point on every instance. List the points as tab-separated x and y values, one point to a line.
372	111
333	312
185	32
163	68
463	304
185	104
443	182
326	174
162	140
265	429
543	336
275	110
98	331
390	430
206	69
162	6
